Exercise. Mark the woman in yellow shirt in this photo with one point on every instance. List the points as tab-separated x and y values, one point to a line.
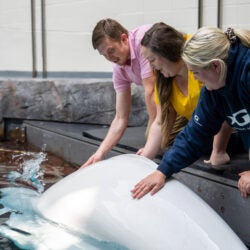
176	93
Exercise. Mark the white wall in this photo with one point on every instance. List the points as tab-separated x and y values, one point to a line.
15	39
69	24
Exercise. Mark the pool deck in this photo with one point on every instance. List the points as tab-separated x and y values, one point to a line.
76	142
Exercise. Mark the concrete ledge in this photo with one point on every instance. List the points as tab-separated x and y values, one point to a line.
67	140
66	100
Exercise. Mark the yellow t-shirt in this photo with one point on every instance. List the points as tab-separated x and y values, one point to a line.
183	105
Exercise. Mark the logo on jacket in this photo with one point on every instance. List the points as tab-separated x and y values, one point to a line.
196	119
241	118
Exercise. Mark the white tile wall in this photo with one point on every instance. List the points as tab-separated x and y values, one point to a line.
69	24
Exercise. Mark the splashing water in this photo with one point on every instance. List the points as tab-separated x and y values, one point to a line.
30	170
25	226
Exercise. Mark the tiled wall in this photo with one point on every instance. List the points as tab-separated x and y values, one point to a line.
69	24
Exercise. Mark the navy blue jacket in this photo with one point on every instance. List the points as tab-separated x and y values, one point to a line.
230	103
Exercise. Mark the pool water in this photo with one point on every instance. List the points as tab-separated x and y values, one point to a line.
24	174
12	156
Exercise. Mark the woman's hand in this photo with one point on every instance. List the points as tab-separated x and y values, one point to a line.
244	183
218	158
152	183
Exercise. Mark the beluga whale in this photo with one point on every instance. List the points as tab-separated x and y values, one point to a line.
95	203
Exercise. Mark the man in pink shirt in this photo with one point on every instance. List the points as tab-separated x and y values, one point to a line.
123	48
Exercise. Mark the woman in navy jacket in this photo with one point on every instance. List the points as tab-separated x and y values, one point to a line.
222	62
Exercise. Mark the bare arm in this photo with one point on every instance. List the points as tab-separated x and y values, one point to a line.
219	155
148	84
153	144
117	128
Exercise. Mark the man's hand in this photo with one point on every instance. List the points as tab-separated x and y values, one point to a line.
92	159
152	183
140	151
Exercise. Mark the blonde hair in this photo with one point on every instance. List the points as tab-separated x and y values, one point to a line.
209	44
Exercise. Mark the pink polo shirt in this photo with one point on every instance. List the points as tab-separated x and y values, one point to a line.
139	68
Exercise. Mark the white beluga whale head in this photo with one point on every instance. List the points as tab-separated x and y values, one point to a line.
96	201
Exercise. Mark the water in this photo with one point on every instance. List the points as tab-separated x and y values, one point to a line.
29	230
25	175
29	171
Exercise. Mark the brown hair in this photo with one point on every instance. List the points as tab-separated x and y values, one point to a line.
107	28
166	42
